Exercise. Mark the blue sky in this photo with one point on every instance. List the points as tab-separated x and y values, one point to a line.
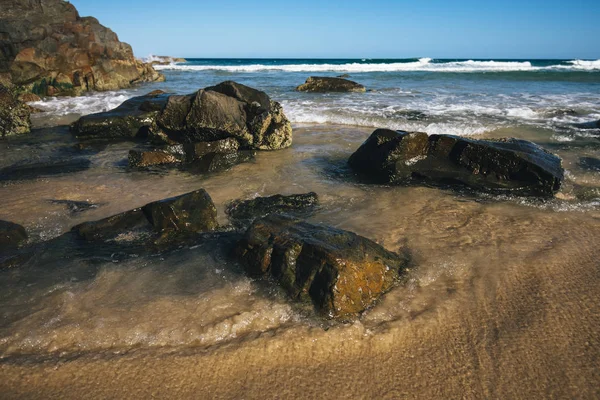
354	29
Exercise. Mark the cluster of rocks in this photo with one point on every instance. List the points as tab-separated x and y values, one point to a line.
340	272
165	60
211	128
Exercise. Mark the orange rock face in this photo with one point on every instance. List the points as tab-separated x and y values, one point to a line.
49	49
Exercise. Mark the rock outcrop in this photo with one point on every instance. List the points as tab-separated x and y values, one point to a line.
341	272
328	84
189	213
47	48
227	110
14	115
504	165
11	235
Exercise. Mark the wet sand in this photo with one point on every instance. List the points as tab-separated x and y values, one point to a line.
502	301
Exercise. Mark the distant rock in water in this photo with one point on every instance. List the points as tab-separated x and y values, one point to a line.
11	235
340	272
49	49
343	76
327	84
227	110
247	210
502	166
14	115
165	60
192	212
590	163
589	125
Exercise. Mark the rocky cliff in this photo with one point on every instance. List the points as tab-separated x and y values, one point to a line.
48	49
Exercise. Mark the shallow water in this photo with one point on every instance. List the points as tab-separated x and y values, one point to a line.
501	300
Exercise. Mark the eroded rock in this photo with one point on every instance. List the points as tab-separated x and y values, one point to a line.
340	272
503	165
228	110
48	49
329	84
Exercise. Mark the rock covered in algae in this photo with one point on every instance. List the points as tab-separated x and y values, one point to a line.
503	165
341	272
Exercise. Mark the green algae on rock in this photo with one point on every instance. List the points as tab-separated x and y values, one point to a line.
341	272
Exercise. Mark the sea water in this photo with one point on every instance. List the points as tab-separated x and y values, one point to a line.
501	300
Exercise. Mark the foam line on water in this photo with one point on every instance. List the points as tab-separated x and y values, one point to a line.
423	64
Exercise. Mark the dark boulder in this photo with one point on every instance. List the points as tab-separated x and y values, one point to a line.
188	213
132	119
75	206
503	165
11	235
191	212
14	114
247	210
341	272
228	110
327	84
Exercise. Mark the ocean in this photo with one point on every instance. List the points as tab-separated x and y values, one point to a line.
501	300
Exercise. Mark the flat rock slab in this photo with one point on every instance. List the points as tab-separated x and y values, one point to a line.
341	272
247	210
327	84
498	166
181	153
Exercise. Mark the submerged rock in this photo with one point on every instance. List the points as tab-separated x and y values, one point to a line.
50	50
504	165
215	162
328	84
590	163
186	153
192	212
341	272
14	114
227	110
42	169
75	206
11	235
247	210
589	125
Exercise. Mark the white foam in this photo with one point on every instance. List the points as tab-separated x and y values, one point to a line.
423	64
82	105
